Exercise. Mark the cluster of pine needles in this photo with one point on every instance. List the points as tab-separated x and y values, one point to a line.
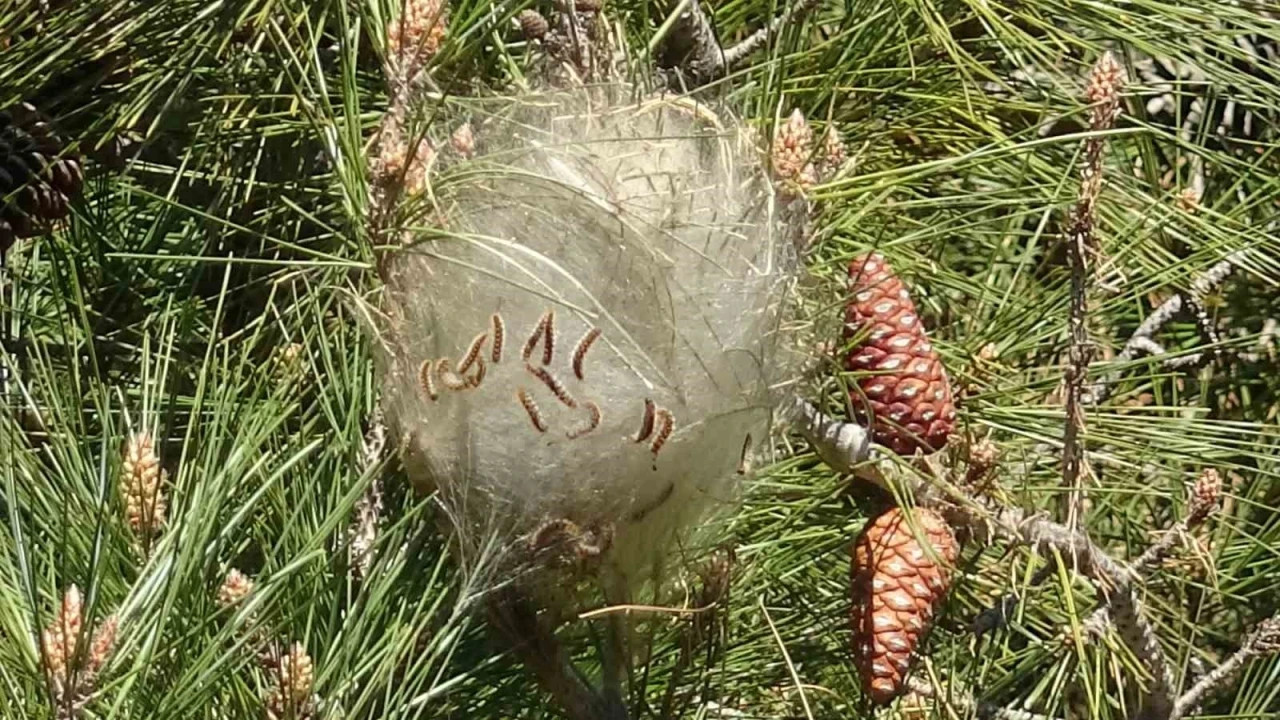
200	518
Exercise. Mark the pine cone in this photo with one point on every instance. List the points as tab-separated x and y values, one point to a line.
37	183
897	586
533	26
906	397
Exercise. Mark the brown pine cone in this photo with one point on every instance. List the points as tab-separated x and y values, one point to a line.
906	396
897	586
533	26
37	182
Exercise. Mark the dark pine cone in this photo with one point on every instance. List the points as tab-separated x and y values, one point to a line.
37	182
905	395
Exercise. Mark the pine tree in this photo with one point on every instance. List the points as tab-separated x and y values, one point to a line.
200	203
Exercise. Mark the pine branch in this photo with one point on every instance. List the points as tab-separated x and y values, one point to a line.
517	620
795	12
1264	640
1103	92
1111	579
363	533
691	50
1142	340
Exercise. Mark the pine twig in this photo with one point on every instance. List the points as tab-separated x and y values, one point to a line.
535	644
364	531
1112	580
795	12
1205	496
1142	340
690	47
1264	640
1103	92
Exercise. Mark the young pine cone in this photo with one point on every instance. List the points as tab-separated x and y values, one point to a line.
905	396
897	586
36	181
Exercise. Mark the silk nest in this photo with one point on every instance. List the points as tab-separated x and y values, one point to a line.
581	351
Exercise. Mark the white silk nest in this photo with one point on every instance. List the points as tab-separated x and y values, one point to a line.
650	221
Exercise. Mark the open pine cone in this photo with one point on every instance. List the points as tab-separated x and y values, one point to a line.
897	586
37	181
906	397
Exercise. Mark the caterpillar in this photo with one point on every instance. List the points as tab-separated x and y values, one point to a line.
531	407
499	337
666	424
646	425
472	354
450	379
580	350
428	382
553	384
593	421
545	325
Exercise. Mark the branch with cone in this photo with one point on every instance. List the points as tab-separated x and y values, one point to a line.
848	448
903	404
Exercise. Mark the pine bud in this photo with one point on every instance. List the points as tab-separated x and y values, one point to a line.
793	151
833	155
463	140
234	589
60	637
1189	200
1103	92
100	649
416	35
141	483
291	692
1204	496
983	456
